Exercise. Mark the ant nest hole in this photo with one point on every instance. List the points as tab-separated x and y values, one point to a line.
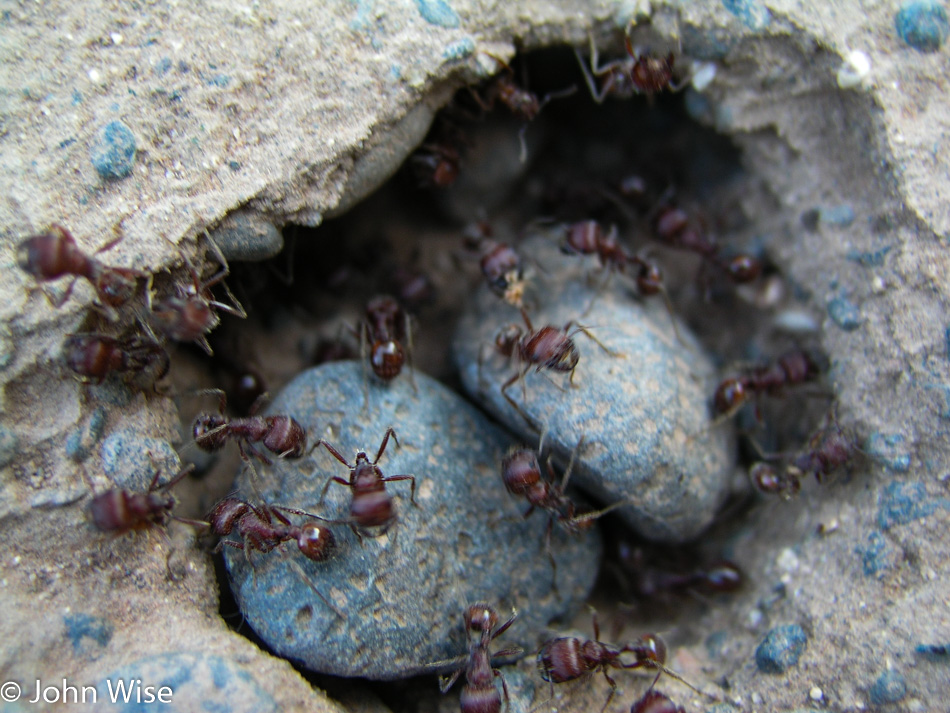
771	187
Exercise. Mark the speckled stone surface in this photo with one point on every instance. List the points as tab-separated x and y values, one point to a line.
401	593
644	414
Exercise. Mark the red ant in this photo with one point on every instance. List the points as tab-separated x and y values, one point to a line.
264	528
279	434
386	328
828	450
569	658
141	361
674	228
501	266
191	314
638	73
479	694
721	576
546	348
588	238
437	164
372	511
521	474
793	368
52	254
120	511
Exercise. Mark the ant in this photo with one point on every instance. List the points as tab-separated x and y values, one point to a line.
386	327
828	450
279	434
588	238
521	474
638	73
721	576
479	694
92	357
792	368
501	266
189	315
372	511
52	254
265	527
437	165
674	228
569	658
546	348
120	511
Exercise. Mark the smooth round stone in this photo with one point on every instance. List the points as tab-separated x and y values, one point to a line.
402	594
247	236
643	411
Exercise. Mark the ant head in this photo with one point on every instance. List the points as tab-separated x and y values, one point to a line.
508	338
316	542
520	471
743	269
730	395
387	358
650	279
480	619
652	648
116	285
209	431
652	74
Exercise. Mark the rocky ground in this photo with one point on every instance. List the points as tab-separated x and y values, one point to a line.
812	137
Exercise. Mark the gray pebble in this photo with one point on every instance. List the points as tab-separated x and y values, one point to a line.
125	459
780	649
113	151
890	687
82	440
401	594
644	415
247	236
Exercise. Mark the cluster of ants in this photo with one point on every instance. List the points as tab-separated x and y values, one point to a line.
386	344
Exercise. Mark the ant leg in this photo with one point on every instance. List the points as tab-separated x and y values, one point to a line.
570	464
412	496
332	478
504	392
550	552
382	446
503	628
504	687
445	683
613	689
364	359
407	325
334	452
306	580
587	333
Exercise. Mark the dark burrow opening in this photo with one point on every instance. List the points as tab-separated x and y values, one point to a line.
621	163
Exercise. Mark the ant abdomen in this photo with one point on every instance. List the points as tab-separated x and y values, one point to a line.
51	254
387	359
521	471
316	542
285	436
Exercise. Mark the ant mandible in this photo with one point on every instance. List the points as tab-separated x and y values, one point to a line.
189	315
521	474
52	254
264	528
120	511
479	694
281	435
546	348
140	361
569	658
372	511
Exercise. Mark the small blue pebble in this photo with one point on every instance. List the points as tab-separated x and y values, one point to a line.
874	557
113	152
438	12
901	503
888	688
8	446
781	649
85	626
842	215
459	50
844	313
889	450
751	13
922	24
